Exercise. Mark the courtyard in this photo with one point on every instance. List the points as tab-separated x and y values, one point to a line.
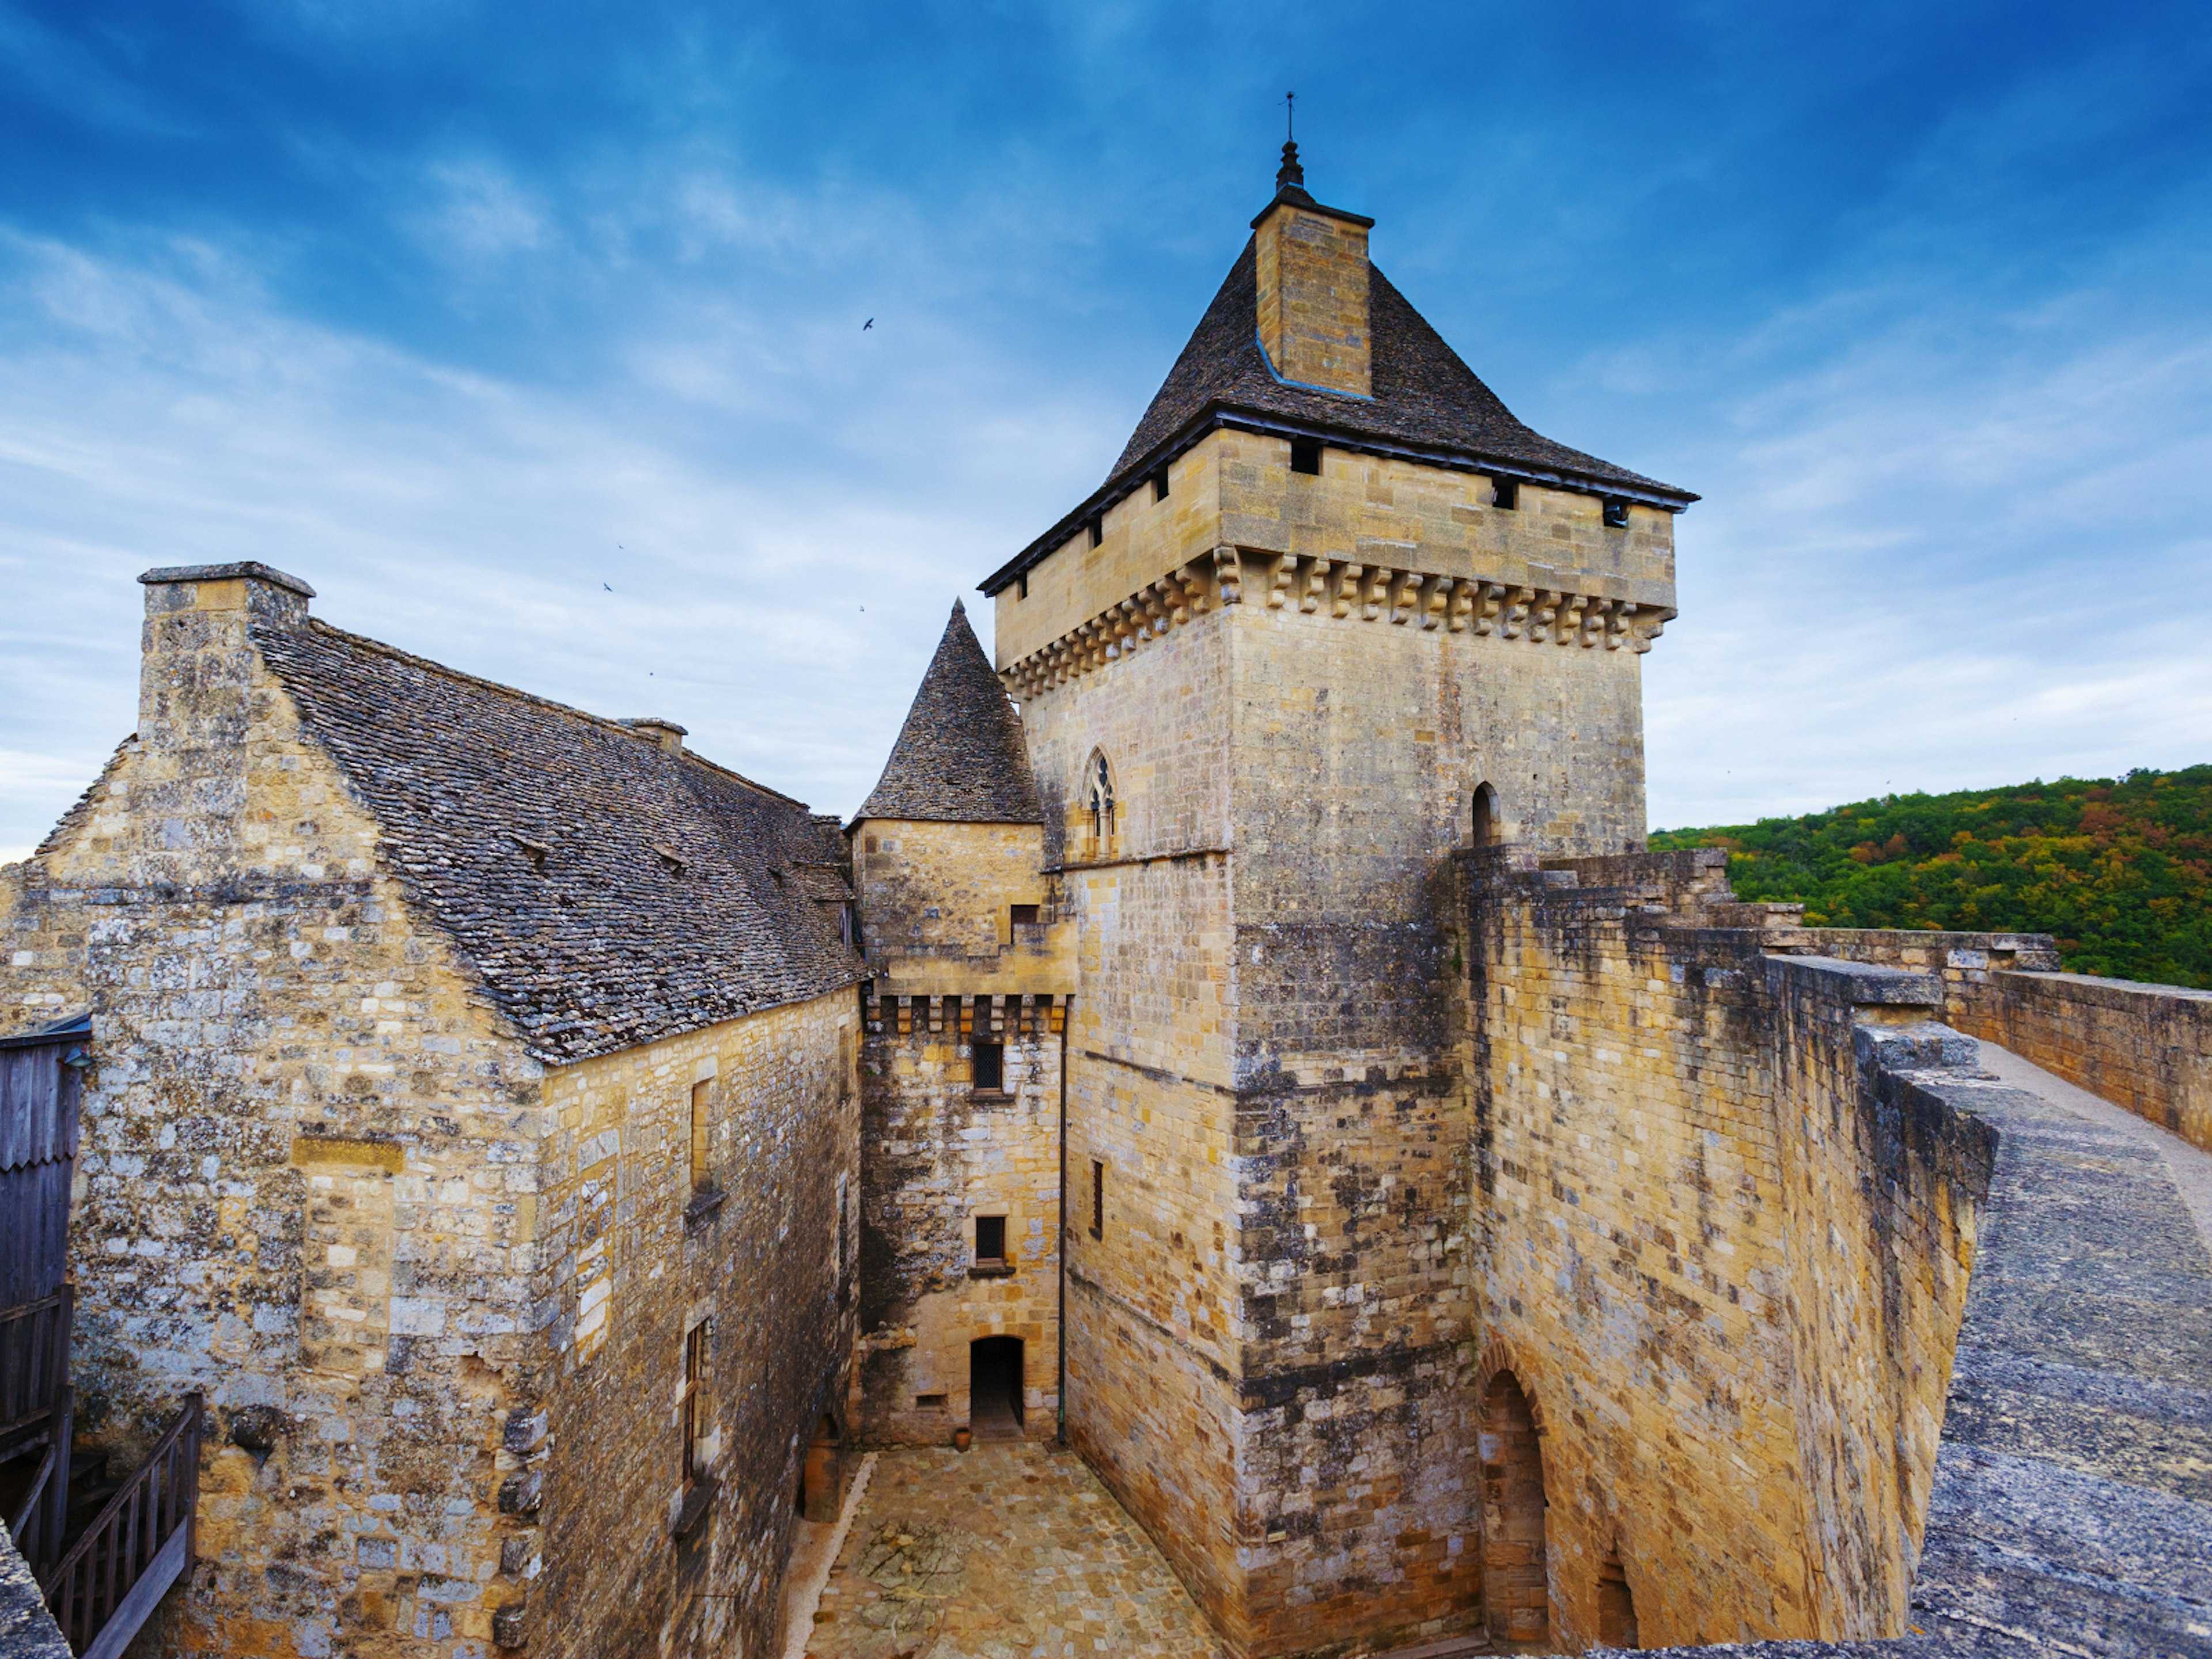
1010	1551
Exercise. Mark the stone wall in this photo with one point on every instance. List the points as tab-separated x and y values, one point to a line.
1152	1303
27	1631
2148	1047
950	968
764	1253
939	1154
1724	1266
935	908
1236	491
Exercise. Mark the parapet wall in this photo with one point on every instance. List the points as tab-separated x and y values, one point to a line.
2148	1047
1723	1256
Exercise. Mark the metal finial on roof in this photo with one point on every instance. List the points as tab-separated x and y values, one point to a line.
1290	172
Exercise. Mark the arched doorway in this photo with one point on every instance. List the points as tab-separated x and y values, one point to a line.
1616	1604
1516	1587
821	1481
1489	828
994	1388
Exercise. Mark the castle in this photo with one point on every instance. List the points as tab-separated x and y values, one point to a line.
1242	1033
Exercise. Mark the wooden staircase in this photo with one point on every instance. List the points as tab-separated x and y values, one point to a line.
138	1543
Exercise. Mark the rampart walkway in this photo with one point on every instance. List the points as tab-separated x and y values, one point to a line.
2072	1510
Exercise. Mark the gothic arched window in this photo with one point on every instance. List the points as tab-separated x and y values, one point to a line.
1100	787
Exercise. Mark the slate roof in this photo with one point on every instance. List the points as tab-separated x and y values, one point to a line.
960	757
610	894
1427	403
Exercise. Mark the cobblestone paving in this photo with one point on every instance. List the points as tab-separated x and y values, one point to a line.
1006	1552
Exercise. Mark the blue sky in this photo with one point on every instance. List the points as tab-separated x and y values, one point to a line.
531	336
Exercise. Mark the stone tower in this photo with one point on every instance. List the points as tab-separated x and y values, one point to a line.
960	1093
1334	614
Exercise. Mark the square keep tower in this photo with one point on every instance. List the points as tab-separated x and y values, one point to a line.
1334	614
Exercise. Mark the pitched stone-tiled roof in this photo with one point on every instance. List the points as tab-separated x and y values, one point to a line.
960	757
1426	402
609	893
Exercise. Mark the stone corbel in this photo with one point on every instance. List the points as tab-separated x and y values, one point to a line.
1347	590
1284	568
1543	614
1228	576
1488	598
1194	588
1405	596
1654	621
1569	627
1317	584
1596	621
1516	613
1378	592
1439	592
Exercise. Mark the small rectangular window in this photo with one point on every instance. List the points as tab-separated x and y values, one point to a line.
1616	514
1160	485
1099	530
1022	593
695	1403
1305	455
1022	915
929	1402
1505	493
1097	1199
702	1119
991	1067
990	1238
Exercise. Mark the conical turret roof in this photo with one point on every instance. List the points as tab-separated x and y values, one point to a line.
960	757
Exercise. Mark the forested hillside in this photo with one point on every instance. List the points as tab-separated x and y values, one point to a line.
2118	871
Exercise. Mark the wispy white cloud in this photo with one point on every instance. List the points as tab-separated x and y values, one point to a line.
587	546
1920	567
548	364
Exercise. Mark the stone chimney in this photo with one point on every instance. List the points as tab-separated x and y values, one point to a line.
197	663
1313	287
667	734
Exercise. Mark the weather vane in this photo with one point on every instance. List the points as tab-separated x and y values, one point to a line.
1289	113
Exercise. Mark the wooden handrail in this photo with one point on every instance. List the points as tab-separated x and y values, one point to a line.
103	1590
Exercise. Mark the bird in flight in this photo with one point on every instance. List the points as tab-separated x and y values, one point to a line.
609	589
865	326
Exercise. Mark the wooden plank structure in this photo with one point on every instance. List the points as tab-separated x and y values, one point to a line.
109	1578
36	1413
41	1078
41	1075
